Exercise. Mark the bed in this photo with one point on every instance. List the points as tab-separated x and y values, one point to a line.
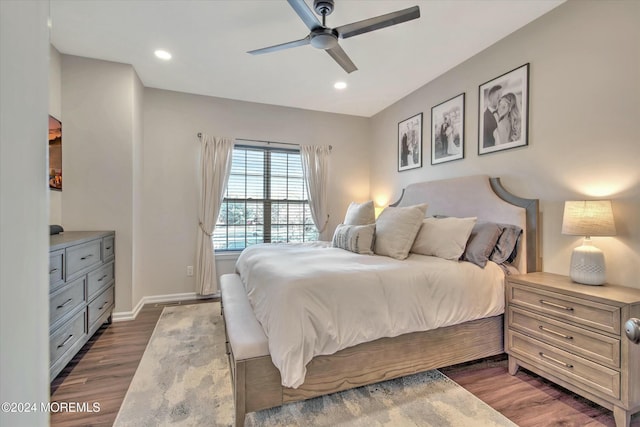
258	383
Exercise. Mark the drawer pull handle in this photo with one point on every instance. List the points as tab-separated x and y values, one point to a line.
65	341
53	270
567	337
103	304
103	277
108	247
559	362
86	257
552	304
64	303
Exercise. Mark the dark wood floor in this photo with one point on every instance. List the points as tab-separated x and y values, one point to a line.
527	399
102	370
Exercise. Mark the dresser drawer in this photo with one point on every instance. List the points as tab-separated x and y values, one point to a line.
108	247
565	365
99	278
100	305
56	262
83	256
65	300
581	311
67	335
591	345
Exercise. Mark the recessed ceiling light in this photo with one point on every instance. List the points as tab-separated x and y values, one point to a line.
163	54
340	85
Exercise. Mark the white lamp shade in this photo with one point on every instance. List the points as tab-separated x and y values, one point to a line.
588	218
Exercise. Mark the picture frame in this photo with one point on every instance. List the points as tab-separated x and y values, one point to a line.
55	154
410	143
447	130
503	111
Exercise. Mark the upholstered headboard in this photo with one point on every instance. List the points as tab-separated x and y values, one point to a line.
486	199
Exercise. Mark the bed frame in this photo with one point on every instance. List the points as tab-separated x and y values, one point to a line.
257	382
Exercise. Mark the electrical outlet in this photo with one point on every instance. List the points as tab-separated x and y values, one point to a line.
189	270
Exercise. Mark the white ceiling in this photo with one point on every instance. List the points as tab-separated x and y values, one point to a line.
209	40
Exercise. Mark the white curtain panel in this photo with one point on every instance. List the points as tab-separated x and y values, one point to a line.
215	167
315	167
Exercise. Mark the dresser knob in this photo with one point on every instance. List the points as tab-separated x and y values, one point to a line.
632	329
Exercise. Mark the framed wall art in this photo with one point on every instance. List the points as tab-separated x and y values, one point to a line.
447	130
55	154
410	143
503	112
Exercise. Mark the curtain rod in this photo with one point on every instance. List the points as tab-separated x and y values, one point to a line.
265	142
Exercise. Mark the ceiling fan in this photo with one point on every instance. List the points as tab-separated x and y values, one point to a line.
323	37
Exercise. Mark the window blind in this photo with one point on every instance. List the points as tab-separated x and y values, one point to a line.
265	201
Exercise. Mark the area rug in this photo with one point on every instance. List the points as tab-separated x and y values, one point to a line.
183	380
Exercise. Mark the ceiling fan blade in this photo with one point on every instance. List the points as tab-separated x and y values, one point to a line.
281	46
382	21
341	57
303	11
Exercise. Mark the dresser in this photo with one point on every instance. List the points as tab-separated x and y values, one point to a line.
573	335
81	291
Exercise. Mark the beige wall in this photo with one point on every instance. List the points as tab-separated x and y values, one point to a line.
24	210
584	126
100	103
171	163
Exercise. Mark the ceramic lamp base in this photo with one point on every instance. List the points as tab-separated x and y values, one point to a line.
587	265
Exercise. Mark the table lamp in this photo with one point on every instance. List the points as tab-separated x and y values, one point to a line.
588	218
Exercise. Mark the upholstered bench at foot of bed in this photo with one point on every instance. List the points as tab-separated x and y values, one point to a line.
244	333
248	351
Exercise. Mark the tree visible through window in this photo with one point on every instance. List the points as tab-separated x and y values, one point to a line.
266	200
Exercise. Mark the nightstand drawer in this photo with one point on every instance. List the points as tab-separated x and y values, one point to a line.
565	365
591	345
581	311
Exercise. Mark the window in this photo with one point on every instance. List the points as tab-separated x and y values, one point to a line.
265	202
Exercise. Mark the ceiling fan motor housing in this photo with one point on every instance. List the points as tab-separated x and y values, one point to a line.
323	7
323	38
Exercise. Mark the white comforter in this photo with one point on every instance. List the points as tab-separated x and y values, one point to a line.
312	299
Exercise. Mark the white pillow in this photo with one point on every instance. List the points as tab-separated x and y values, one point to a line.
396	228
443	237
360	214
354	238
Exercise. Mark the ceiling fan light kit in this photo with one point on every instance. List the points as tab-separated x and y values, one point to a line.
323	37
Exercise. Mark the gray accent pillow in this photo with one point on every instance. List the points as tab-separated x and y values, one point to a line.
482	240
506	248
354	238
360	214
396	229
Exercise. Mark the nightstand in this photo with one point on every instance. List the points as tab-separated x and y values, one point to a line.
573	335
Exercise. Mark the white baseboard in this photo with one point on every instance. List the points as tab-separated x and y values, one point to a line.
156	299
